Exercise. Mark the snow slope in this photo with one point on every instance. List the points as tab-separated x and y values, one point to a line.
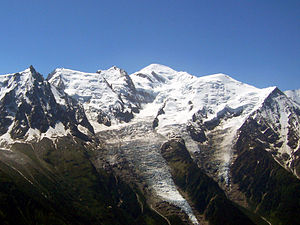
106	95
179	96
22	82
294	95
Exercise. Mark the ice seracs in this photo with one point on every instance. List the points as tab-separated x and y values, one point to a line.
108	96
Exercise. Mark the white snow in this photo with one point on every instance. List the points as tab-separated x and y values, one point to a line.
181	95
83	130
9	82
59	98
279	119
5	139
294	95
90	89
58	131
32	134
98	92
184	94
52	133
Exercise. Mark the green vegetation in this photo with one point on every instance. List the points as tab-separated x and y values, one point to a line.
61	186
273	191
175	220
205	193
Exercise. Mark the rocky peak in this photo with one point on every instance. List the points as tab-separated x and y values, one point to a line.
29	110
108	95
32	70
275	128
115	75
32	75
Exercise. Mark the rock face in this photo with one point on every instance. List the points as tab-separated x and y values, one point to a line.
32	108
108	96
272	190
140	128
204	192
275	128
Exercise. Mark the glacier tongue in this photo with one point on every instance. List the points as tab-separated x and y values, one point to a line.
140	146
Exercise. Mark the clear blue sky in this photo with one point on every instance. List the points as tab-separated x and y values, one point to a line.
254	41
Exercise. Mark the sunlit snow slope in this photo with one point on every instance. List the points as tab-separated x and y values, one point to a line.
108	96
294	95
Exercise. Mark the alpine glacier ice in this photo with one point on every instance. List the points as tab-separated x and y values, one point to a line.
108	96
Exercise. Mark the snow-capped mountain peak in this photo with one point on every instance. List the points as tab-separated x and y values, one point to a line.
30	109
118	79
157	74
157	68
221	77
108	96
180	104
113	69
21	82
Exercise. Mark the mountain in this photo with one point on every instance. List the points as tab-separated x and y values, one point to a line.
108	96
276	126
31	109
46	164
209	110
154	147
210	113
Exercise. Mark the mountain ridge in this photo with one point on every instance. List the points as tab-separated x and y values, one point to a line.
129	117
29	108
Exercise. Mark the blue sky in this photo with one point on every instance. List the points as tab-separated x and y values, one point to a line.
257	41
